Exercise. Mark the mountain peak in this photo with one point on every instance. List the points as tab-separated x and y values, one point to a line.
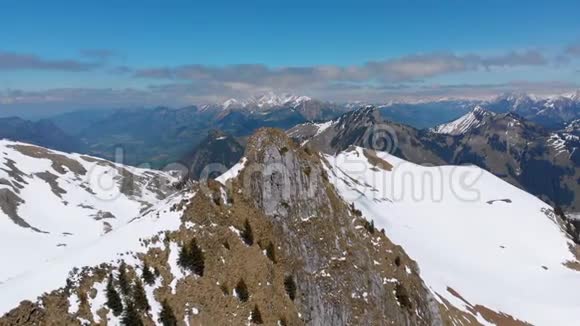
472	119
264	138
576	96
478	109
230	102
364	114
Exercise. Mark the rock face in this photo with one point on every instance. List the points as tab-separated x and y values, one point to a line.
27	314
341	269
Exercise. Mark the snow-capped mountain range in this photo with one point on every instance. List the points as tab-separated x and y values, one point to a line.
552	112
266	101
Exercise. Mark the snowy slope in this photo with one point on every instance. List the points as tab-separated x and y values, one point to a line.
91	211
493	244
473	119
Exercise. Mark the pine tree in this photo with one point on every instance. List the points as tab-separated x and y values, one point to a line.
369	226
256	316
271	252
113	299
123	279
184	259
290	287
398	261
147	275
166	316
197	260
141	302
247	234
559	212
131	316
242	291
403	296
191	258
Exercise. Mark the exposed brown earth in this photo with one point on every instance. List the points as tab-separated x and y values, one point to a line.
498	318
377	161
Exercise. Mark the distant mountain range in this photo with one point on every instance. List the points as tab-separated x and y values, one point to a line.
159	136
43	132
267	101
551	112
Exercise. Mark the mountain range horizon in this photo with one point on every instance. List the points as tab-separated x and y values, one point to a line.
272	99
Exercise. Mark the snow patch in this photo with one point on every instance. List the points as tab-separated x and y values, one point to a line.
73	303
232	172
174	267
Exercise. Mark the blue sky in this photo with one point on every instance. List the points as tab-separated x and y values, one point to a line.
123	53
